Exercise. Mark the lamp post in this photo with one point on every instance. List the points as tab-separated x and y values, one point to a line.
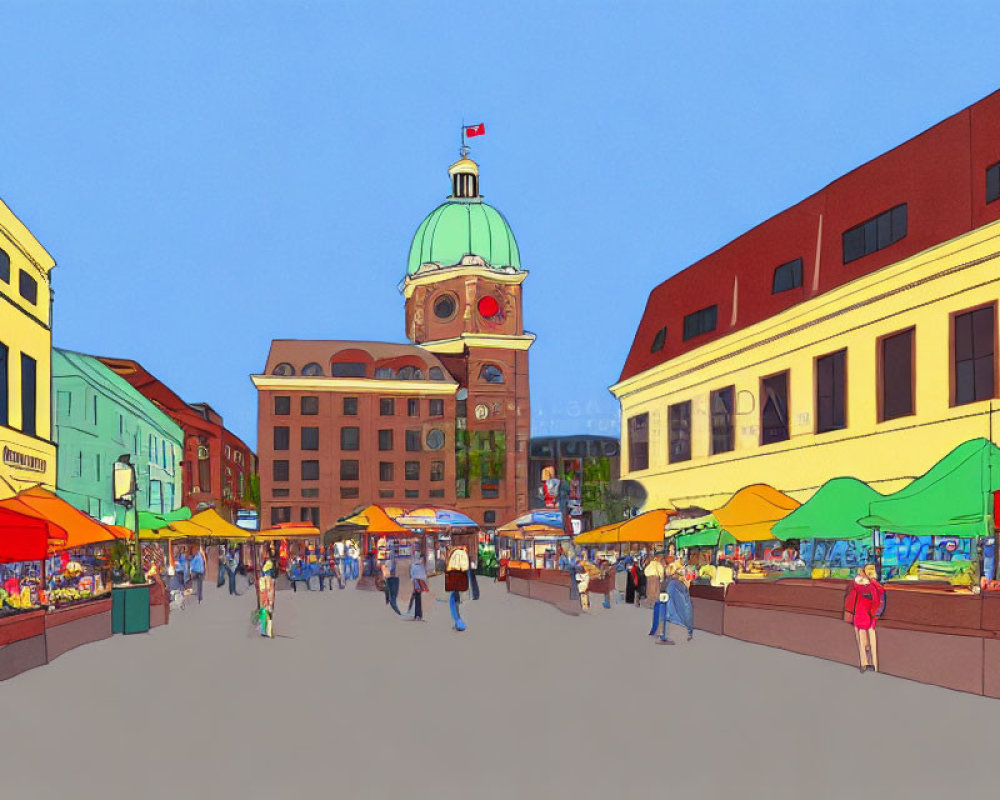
125	495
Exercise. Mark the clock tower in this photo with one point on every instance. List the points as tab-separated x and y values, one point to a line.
463	303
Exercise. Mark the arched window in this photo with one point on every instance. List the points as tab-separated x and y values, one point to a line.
405	373
312	370
285	370
418	374
445	306
435	439
385	373
436	374
491	373
348	369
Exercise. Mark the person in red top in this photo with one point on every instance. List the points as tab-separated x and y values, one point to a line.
863	606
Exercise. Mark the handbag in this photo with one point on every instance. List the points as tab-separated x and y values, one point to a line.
456	581
420	585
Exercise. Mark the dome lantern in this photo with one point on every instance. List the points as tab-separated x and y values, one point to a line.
464	178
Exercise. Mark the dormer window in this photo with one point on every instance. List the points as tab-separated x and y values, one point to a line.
284	370
491	374
312	370
348	369
659	340
787	276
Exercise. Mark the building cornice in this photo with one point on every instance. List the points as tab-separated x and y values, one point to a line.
457	345
365	385
15	232
436	276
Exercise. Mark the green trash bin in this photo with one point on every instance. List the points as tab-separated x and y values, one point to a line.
130	609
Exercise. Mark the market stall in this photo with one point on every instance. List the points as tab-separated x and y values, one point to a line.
749	517
371	526
289	540
25	539
532	540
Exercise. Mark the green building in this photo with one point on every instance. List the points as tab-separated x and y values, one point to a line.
98	417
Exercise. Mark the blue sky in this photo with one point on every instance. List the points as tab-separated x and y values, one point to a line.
210	176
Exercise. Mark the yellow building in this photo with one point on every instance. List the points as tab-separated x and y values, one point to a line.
28	452
854	334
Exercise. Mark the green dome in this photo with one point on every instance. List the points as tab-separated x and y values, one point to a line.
464	227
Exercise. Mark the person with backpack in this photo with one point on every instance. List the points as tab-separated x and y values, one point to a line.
456	580
197	568
864	604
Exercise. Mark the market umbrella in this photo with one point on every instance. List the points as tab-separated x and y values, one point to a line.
953	498
212	524
751	513
534	522
435	518
287	530
370	519
153	522
25	535
80	529
831	513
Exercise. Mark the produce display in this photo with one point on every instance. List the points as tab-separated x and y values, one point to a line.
20	587
77	576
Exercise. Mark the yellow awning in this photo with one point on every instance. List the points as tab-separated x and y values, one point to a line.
292	531
605	534
211	524
752	512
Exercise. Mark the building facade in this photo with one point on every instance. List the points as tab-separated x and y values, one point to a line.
26	441
442	421
100	417
590	466
853	334
217	464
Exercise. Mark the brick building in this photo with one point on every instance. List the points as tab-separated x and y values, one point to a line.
443	421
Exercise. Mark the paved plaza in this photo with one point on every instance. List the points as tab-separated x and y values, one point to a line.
352	701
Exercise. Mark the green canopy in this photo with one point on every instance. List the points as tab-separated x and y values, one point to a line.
153	522
831	513
953	498
709	537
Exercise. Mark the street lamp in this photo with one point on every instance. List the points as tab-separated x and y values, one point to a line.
124	487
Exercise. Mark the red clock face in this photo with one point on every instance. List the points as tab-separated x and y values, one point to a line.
488	307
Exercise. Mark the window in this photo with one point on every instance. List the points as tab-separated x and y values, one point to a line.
411	494
875	234
385	493
436	408
435	374
350	406
437	470
349	492
349	469
436	493
280	470
349	369
310	438
386	471
64	403
97	467
774	409
658	340
78	465
992	193
309	514
721	409
385	440
831	392
413	441
280	492
350	438
282	406
310	492
700	322
312	370
121	427
387	406
310	470
489	517
4	382
385	373
28	287
156	497
973	334
229	451
435	439
895	354
309	405
787	276
638	442
94	415
445	307
405	373
283	370
205	474
412	471
413	407
489	488
491	373
280	514
29	391
281	437
680	431
4	266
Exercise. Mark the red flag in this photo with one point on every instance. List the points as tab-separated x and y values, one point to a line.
475	130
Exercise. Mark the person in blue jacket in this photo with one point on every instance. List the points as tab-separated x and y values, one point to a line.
679	609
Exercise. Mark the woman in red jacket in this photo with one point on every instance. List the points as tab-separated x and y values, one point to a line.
864	605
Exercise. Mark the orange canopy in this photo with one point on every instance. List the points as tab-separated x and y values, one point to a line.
80	528
288	530
752	512
648	528
375	520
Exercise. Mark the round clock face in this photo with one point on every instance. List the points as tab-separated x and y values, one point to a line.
488	306
482	411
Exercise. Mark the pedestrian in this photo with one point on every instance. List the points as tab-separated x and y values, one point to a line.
631	581
340	555
353	554
197	569
456	581
232	567
675	604
181	569
655	573
418	574
391	583
473	583
221	567
863	605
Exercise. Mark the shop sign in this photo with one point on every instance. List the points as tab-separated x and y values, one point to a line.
19	460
